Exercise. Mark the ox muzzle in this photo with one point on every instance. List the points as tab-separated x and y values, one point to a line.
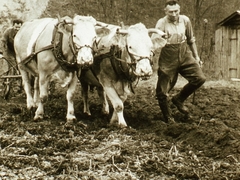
84	55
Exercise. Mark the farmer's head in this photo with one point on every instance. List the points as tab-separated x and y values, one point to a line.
17	23
172	10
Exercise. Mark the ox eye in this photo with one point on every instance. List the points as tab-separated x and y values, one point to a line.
130	47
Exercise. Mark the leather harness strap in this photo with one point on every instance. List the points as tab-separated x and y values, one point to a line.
121	67
58	54
33	54
56	49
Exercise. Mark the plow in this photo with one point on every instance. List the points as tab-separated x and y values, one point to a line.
9	78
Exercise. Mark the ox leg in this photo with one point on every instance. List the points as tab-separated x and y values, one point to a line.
43	88
36	90
84	91
103	99
27	88
70	92
117	106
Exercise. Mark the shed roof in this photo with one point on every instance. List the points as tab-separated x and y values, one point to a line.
232	20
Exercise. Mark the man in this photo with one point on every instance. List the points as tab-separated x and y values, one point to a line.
180	55
7	41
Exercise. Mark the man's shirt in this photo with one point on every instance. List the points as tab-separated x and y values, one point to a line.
177	32
8	39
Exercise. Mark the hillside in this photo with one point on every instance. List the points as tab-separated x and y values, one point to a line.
128	12
149	11
22	9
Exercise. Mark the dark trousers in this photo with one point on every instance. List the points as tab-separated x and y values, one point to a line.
174	59
10	57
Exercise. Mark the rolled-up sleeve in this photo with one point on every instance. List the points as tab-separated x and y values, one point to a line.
189	31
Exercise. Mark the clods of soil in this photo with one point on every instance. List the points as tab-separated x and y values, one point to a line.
205	146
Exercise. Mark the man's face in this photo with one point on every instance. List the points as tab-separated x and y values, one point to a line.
17	26
173	11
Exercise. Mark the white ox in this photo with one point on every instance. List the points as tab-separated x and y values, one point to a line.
127	58
49	49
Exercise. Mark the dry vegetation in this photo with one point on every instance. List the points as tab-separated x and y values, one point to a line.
205	148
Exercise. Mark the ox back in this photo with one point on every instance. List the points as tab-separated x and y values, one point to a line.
75	49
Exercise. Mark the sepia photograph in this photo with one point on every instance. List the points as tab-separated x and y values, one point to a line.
119	90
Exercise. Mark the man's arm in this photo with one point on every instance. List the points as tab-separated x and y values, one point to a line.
192	41
4	40
194	50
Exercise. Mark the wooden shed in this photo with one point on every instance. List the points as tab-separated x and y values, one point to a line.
227	46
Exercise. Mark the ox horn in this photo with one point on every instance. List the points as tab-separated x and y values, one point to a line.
102	24
155	30
68	20
122	31
109	26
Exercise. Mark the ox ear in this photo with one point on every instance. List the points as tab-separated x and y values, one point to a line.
157	38
105	34
67	22
69	27
102	31
158	42
106	37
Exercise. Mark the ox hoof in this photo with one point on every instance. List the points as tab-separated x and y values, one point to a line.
122	125
71	121
116	124
71	117
68	124
31	112
31	106
105	113
87	113
38	117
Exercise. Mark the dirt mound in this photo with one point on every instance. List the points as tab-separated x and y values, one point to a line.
205	147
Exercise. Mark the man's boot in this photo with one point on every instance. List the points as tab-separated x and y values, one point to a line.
166	111
178	100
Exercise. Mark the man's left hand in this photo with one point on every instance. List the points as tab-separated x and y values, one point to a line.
199	62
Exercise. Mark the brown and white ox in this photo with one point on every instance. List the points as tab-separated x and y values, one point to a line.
128	57
54	49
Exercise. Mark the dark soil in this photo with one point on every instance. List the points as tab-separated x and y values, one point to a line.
207	146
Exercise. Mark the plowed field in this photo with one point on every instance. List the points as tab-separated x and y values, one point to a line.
207	147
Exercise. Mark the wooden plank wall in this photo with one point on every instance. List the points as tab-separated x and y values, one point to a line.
226	51
218	53
227	44
238	52
233	69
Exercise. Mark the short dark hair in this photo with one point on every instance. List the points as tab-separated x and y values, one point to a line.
17	21
171	2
